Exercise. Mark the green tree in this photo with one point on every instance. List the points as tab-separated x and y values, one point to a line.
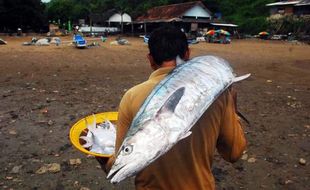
61	10
26	14
248	14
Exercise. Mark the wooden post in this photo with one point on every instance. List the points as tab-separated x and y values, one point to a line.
145	28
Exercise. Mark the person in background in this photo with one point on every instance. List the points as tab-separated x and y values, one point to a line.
188	164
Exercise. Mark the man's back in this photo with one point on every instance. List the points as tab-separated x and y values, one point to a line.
188	164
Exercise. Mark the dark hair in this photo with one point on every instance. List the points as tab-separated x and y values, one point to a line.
166	43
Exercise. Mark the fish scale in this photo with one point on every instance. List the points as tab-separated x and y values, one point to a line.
170	111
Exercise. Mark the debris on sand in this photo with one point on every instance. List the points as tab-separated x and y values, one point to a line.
252	160
8	177
2	42
288	182
52	168
84	188
32	42
56	40
43	42
285	181
103	39
120	41
244	157
16	169
75	162
50	122
302	161
12	132
76	184
114	43
292	135
93	44
296	104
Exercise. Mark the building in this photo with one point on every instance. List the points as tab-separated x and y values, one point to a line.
109	20
290	7
189	16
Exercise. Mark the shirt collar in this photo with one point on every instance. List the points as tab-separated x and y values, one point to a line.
161	71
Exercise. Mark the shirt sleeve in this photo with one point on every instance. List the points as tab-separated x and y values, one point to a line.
123	122
231	142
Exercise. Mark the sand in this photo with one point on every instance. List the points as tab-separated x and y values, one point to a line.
45	90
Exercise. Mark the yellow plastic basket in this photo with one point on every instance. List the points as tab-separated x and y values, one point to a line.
80	126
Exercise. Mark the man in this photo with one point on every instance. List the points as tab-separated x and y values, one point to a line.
188	164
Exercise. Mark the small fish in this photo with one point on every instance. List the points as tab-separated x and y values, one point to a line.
100	138
170	111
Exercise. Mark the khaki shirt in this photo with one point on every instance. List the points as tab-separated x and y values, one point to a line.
188	164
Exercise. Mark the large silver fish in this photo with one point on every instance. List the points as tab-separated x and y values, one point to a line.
170	111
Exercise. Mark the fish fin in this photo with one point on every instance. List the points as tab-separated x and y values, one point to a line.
188	133
172	102
243	77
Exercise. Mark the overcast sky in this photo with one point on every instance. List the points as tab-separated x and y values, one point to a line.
45	1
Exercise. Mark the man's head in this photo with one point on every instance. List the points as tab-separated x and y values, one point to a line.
165	44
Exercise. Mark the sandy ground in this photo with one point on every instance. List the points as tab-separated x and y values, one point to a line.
45	90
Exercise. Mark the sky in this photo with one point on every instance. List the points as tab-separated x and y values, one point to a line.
45	1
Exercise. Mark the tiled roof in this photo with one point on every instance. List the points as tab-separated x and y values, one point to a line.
283	3
303	2
169	12
290	2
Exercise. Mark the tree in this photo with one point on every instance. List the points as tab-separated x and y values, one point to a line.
26	14
60	10
248	14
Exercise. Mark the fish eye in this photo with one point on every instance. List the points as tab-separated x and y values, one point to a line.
128	149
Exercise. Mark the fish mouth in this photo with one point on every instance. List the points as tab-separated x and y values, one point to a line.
113	172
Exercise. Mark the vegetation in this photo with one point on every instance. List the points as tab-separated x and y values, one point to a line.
250	15
297	26
26	14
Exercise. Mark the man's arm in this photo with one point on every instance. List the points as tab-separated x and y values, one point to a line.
231	142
